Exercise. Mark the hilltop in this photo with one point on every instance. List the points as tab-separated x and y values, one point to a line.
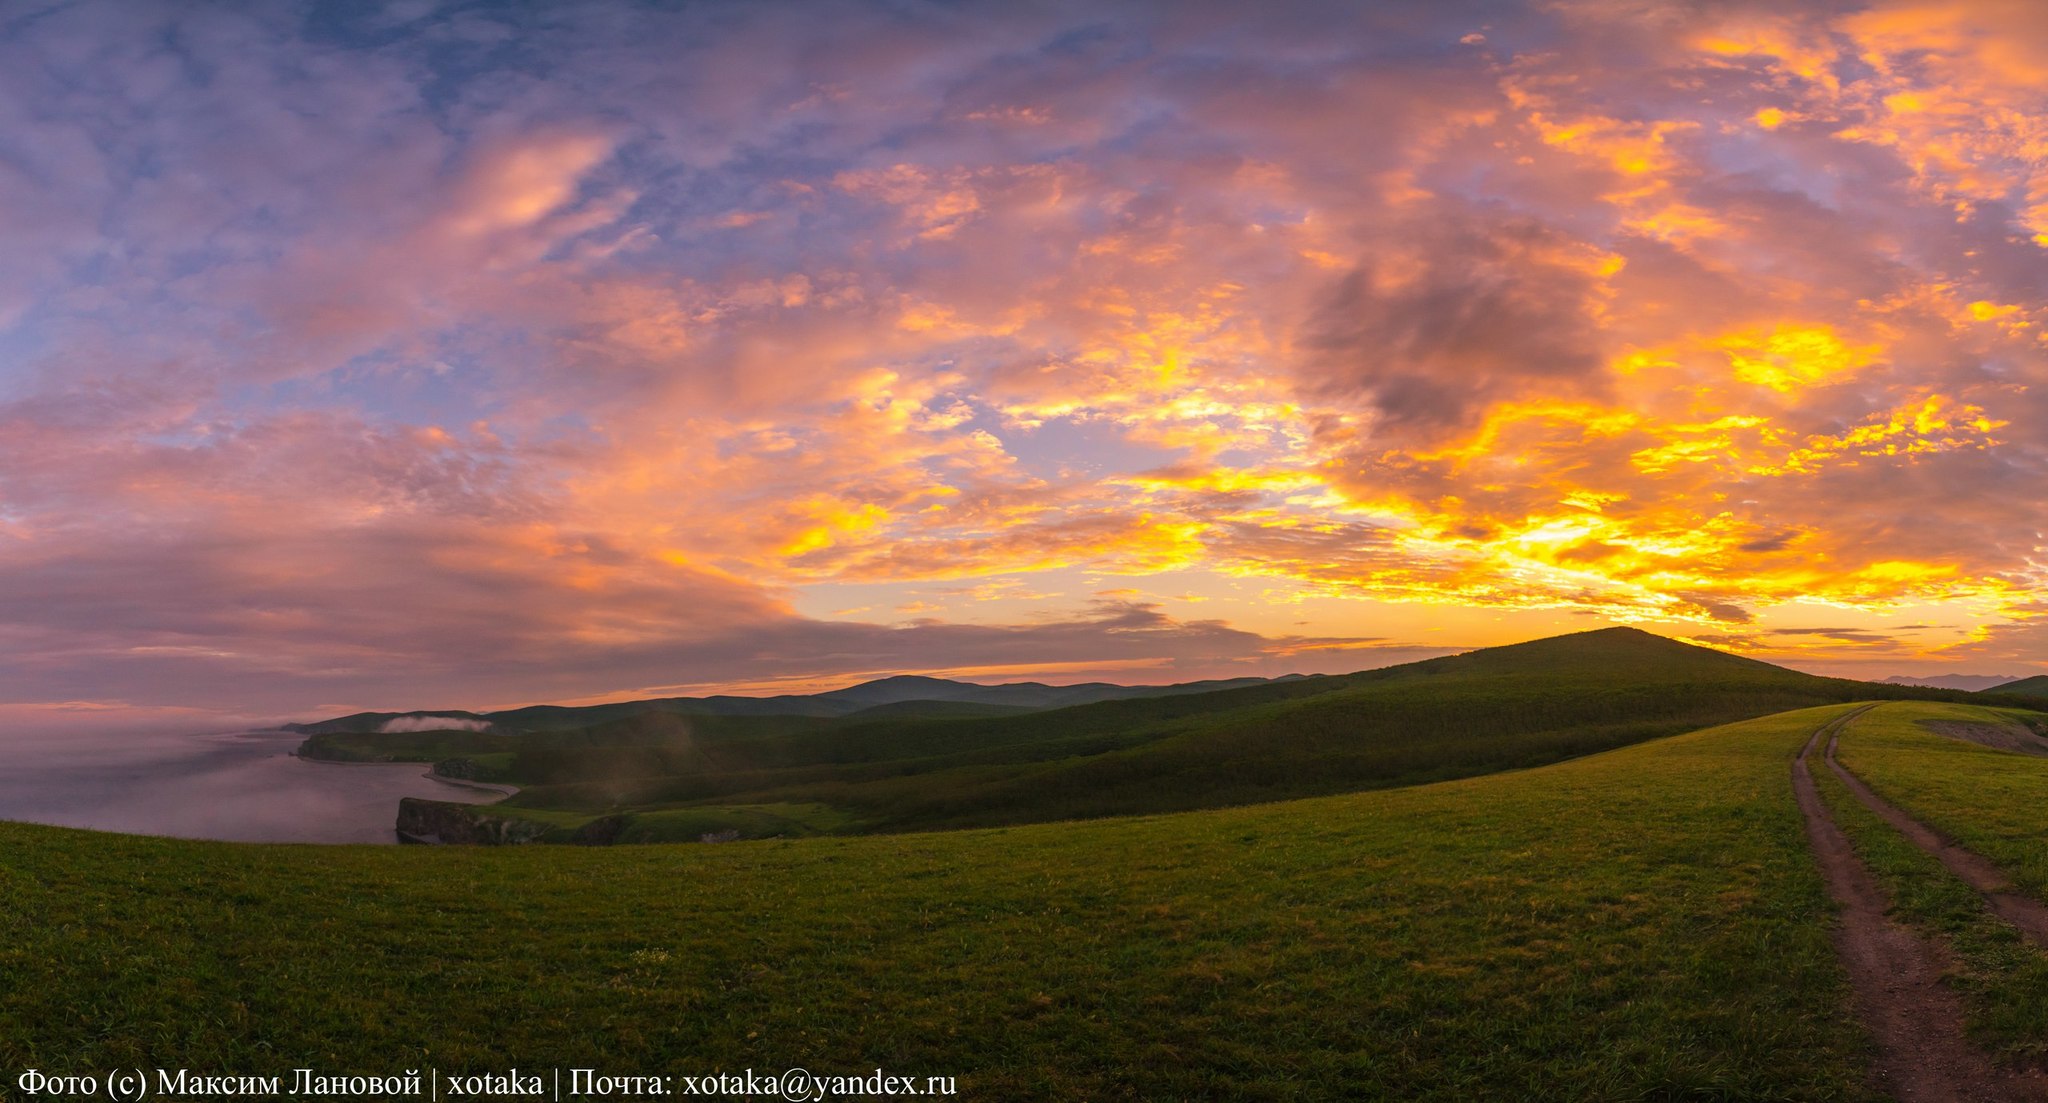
654	776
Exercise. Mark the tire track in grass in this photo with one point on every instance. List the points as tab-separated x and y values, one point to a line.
1916	1021
2023	912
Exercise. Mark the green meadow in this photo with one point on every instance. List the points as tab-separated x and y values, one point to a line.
1485	711
1991	801
2003	980
1640	924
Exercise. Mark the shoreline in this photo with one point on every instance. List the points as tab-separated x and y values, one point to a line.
501	789
462	783
230	787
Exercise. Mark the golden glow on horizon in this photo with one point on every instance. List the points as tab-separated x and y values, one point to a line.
1721	320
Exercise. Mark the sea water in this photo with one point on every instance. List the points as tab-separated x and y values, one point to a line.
238	786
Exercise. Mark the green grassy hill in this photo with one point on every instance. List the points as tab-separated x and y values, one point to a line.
2036	686
1484	711
1643	924
901	695
425	746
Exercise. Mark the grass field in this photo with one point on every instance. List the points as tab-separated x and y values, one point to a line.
1990	801
1641	924
680	825
2003	980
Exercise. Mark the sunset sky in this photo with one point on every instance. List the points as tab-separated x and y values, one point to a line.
467	355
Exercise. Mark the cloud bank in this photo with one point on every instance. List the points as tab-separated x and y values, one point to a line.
452	354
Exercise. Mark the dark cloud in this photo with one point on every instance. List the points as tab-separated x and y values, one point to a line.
1854	636
1466	309
480	352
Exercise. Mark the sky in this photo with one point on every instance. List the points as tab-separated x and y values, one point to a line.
446	354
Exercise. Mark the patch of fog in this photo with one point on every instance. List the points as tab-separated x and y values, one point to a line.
238	786
434	724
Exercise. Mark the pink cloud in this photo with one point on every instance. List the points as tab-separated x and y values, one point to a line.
475	353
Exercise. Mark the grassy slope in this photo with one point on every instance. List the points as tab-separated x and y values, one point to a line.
688	825
1496	709
886	693
2036	686
1641	924
1990	801
2003	980
425	746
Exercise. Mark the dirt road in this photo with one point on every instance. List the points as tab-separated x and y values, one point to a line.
1916	1021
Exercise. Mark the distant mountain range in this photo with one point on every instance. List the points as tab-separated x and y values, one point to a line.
911	696
1970	682
903	695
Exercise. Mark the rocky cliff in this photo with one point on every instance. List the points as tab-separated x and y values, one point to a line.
437	821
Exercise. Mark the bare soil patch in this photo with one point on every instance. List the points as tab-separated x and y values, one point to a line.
2004	737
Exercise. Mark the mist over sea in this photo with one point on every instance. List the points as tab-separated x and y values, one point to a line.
237	786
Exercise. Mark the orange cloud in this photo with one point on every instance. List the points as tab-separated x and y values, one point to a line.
1687	315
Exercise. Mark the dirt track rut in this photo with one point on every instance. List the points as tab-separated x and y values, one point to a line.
1916	1021
2024	912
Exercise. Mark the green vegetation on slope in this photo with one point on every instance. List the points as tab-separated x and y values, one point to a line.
2036	686
424	820
1485	711
1645	924
424	746
1988	800
635	746
899	695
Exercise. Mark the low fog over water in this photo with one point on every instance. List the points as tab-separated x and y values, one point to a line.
241	786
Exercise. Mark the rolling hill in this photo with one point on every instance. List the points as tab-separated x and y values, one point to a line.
2036	686
1971	682
906	694
651	777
